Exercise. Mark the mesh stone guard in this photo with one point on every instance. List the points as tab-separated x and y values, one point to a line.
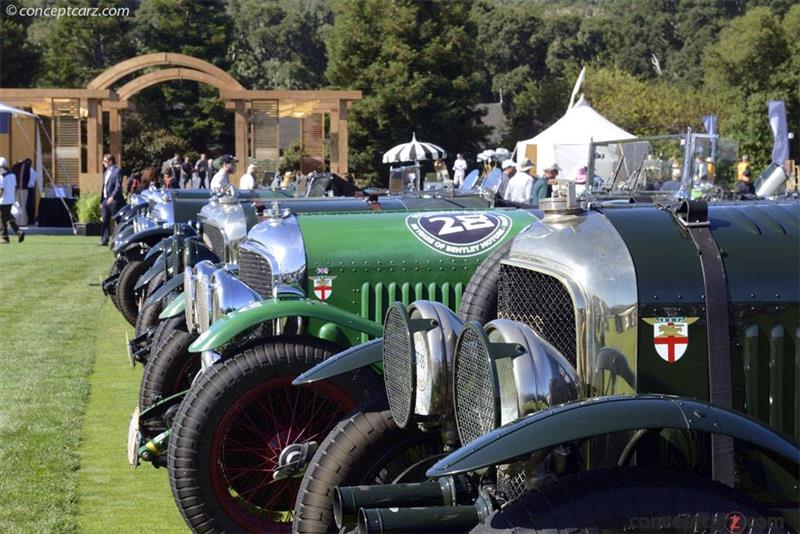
399	360
476	389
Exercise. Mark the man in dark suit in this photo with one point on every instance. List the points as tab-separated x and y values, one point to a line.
111	197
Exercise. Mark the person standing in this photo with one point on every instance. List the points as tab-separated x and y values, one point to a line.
8	195
186	173
23	172
543	188
744	188
227	164
520	186
459	170
30	205
202	169
508	171
175	165
741	167
247	181
112	196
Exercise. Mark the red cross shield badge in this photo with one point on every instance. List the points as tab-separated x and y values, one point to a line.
670	336
323	286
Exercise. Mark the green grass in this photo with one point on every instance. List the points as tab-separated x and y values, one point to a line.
66	392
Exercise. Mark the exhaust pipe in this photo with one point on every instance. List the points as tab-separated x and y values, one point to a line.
409	520
348	500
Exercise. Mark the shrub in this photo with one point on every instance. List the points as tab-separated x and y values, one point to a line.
88	207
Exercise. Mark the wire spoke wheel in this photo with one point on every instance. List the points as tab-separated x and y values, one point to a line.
249	439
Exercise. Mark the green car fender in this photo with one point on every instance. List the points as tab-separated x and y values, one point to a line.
175	307
241	321
363	355
605	415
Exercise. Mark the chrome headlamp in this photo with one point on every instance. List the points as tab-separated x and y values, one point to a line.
163	213
204	270
140	224
418	346
229	294
188	297
504	371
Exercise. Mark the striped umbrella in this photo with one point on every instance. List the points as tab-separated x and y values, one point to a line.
414	151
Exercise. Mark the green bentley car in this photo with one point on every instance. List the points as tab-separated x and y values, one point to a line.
649	389
306	287
641	375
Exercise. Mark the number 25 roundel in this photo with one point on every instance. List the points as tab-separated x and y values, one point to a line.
459	234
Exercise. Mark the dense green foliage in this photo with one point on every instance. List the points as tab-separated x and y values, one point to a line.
653	66
88	208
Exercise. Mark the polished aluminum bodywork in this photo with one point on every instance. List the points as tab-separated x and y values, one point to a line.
534	380
433	353
280	242
589	257
203	272
227	214
229	293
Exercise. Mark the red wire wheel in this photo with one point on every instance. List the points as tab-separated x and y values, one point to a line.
247	443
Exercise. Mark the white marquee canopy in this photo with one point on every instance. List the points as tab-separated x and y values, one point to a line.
566	142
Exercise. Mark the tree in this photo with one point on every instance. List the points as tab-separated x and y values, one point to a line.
188	110
19	57
76	49
415	63
645	108
279	43
744	69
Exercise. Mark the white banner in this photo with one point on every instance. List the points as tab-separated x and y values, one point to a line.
777	121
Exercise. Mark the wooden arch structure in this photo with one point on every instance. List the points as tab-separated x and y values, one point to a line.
256	125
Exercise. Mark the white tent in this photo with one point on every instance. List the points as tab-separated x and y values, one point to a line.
567	141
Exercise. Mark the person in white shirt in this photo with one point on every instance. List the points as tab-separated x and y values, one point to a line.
227	165
459	170
8	195
520	186
247	181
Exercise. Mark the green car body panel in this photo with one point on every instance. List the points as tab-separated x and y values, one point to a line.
175	307
635	327
605	415
392	260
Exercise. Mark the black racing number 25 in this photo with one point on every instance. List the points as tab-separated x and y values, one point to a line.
462	223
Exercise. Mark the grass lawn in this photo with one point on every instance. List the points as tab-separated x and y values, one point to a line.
66	392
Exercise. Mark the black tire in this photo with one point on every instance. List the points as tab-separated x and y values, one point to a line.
366	448
479	302
620	499
167	372
115	269
170	370
126	300
165	326
213	432
148	316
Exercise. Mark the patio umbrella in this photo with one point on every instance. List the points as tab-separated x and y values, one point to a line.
414	151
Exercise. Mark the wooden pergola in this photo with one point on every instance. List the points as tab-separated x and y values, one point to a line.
256	125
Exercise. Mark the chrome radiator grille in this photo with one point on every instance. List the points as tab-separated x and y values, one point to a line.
474	384
541	302
398	367
212	236
202	302
255	271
